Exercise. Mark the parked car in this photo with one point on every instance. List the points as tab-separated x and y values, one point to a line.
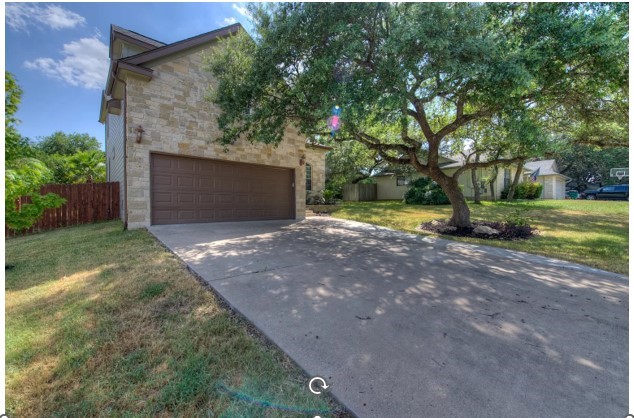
615	192
572	194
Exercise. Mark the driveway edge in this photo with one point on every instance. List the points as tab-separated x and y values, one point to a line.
253	330
501	252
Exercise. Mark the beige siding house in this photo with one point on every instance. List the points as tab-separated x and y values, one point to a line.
160	142
392	186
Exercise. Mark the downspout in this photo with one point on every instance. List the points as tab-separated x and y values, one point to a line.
125	147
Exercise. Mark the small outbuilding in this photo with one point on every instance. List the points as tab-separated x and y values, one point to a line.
548	176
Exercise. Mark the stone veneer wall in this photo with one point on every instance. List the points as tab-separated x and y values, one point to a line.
177	120
316	157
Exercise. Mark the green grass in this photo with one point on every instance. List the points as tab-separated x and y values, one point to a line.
594	233
105	322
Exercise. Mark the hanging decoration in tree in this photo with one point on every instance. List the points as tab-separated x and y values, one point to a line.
334	122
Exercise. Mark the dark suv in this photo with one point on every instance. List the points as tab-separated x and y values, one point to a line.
615	192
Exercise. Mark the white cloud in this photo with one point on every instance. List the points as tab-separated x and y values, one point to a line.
19	16
230	20
85	64
241	9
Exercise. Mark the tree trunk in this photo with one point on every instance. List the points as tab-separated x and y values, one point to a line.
516	180
461	216
476	186
492	180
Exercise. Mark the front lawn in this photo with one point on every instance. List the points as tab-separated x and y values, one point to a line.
105	322
594	233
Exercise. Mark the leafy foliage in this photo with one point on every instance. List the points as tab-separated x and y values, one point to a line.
23	175
14	145
587	164
518	217
67	144
411	79
525	190
72	158
350	162
425	191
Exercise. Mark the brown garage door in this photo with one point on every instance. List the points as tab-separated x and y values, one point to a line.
188	190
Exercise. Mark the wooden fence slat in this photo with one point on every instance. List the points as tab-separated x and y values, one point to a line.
85	203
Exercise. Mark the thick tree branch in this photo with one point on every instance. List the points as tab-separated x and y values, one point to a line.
421	117
461	120
499	161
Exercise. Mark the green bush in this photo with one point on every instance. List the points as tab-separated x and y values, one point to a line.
425	191
524	190
518	218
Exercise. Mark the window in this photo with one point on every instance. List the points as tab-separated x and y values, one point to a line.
309	178
507	177
402	181
608	189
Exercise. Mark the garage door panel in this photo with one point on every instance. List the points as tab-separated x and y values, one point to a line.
206	199
186	165
224	215
185	181
224	199
186	198
162	197
206	168
223	185
224	169
186	190
163	180
162	162
206	183
186	215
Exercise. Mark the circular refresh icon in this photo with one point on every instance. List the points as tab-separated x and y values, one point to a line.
320	384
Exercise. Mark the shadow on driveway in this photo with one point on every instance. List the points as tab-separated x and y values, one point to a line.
404	325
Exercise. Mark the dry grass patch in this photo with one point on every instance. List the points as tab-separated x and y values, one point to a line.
102	321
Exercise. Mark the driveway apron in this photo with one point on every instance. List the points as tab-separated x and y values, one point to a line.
402	325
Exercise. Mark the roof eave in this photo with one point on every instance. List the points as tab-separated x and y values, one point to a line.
183	45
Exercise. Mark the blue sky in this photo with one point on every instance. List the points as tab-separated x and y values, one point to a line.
59	53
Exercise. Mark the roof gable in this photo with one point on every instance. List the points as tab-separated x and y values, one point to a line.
120	36
545	167
185	44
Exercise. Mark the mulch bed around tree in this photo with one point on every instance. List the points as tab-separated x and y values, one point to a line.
507	232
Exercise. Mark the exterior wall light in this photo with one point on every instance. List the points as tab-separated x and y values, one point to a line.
139	133
302	160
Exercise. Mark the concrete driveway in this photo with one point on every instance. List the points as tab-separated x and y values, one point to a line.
406	326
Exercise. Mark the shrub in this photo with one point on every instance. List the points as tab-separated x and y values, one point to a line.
329	196
425	191
524	190
517	218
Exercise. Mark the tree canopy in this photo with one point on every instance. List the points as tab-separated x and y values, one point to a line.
72	158
15	145
412	78
23	175
586	164
67	144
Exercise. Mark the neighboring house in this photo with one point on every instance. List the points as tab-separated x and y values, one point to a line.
392	186
160	142
554	182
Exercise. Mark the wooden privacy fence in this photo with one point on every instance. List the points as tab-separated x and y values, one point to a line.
359	192
85	203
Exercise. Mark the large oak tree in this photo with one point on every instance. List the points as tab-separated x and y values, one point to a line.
412	79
